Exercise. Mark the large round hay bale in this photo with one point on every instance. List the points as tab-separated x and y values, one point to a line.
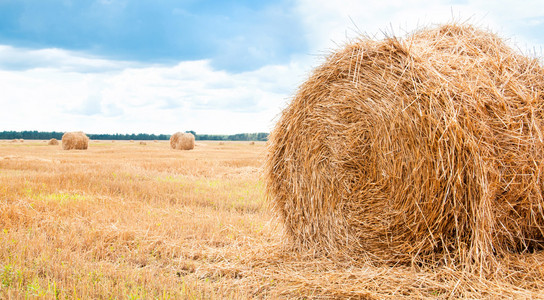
182	141
424	148
75	140
53	141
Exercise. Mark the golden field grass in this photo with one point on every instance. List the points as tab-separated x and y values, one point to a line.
123	220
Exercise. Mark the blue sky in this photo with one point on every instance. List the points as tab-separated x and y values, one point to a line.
129	66
236	35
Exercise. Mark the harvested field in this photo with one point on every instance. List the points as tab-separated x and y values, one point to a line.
124	221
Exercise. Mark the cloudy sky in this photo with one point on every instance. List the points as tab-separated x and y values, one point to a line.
216	67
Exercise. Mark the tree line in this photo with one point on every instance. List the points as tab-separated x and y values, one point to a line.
46	135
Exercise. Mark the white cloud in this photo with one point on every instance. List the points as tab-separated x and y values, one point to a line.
332	23
53	89
151	99
23	59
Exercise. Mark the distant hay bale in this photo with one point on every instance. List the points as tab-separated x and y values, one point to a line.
155	141
53	141
15	141
252	143
143	143
182	141
75	140
132	141
428	148
21	140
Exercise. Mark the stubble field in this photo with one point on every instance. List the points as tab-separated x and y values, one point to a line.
123	220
